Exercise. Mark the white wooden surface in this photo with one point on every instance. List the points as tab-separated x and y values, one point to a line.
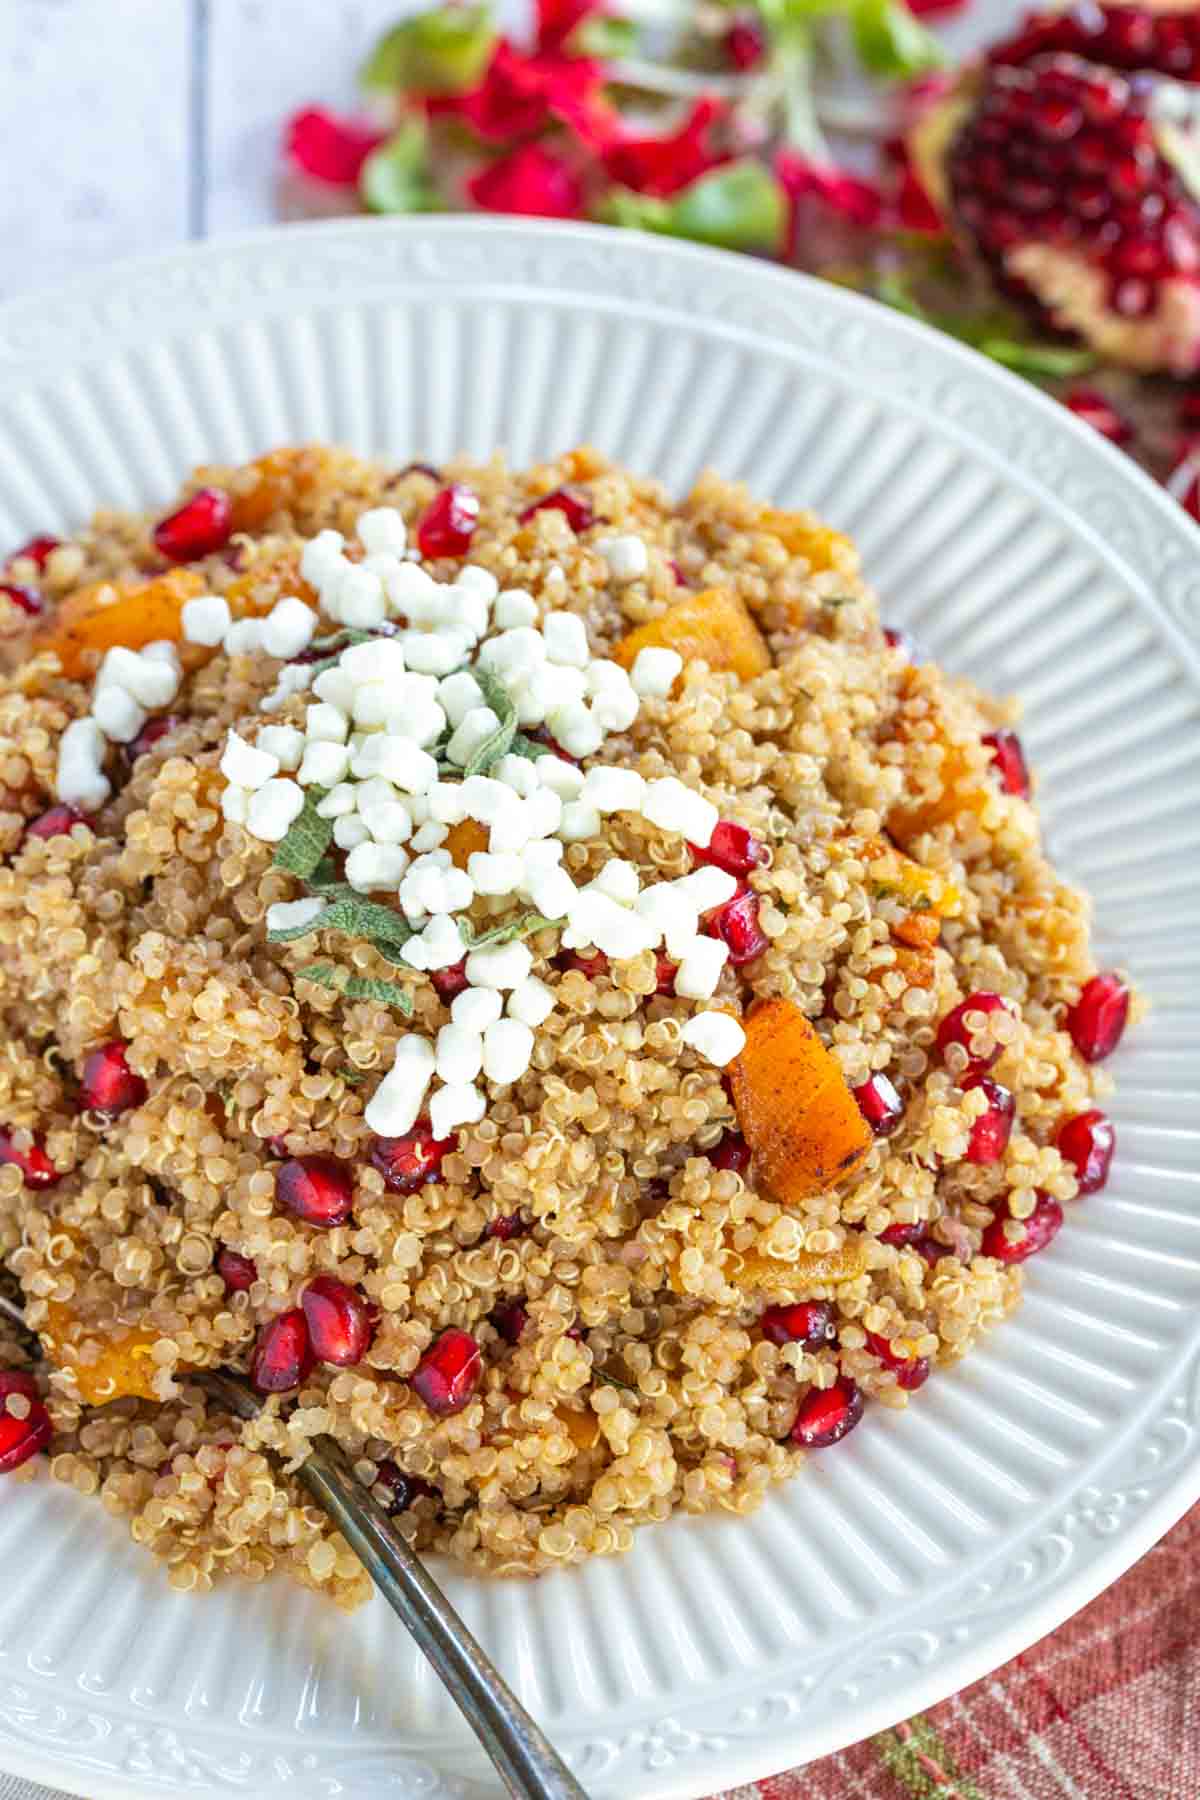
129	125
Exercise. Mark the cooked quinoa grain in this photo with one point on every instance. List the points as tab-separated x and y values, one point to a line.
662	1238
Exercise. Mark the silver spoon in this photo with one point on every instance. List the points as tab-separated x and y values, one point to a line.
524	1757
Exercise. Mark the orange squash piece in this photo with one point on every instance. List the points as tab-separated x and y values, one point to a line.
802	1272
712	626
919	930
803	534
286	477
123	1369
463	840
793	1105
134	613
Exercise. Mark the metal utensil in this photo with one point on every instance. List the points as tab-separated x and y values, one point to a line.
526	1761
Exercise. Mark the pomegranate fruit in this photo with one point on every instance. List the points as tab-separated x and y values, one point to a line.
411	1161
448	1373
108	1085
202	525
1043	1224
55	822
238	1272
911	1372
21	1438
808	1322
1009	762
341	1323
1122	37
395	1489
37	1171
991	1131
1087	1142
825	1415
731	1152
575	508
954	1029
737	924
282	1356
449	983
510	1319
317	1189
1097	1019
448	523
25	599
879	1104
732	847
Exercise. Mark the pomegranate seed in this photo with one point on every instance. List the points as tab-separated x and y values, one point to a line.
575	508
509	1226
592	966
37	1171
1087	1142
1043	1224
449	983
731	1152
827	1414
418	468
21	1438
327	148
733	848
1089	404
746	43
278	1146
55	823
238	1272
912	1372
880	1105
282	1357
203	523
953	1029
400	1489
540	735
1097	1019
152	732
26	598
736	924
1009	763
903	1234
108	1085
448	523
809	1322
665	972
448	1373
37	551
991	1131
510	1320
340	1322
681	579
896	639
411	1161
316	1189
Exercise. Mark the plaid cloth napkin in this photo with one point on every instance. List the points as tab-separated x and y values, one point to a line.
1106	1708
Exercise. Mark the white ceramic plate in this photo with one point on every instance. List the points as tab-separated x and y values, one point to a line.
931	1546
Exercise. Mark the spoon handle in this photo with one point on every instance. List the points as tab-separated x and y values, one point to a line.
528	1763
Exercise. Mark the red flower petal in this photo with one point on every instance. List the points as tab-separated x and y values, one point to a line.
530	180
557	19
522	95
662	165
330	149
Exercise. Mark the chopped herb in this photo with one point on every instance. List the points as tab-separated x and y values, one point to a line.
358	987
526	747
882	890
225	1095
354	917
838	599
922	903
507	933
335	644
308	838
350	1075
616	1381
499	743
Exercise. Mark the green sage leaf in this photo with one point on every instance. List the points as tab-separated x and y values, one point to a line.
500	742
308	838
509	932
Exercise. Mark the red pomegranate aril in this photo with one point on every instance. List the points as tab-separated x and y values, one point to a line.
56	822
879	1104
340	1322
203	524
736	924
746	42
448	1373
37	1171
510	1319
953	1029
449	983
282	1356
540	735
21	1438
152	732
1009	762
731	1152
911	1372
1043	1224
448	523
681	579
37	551
400	1489
575	508
825	1415
318	1190
27	599
991	1131
808	1322
1089	404
238	1272
108	1085
592	966
665	972
895	639
1087	1142
732	847
901	1235
412	1161
1097	1019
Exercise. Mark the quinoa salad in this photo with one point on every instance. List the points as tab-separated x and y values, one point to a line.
530	971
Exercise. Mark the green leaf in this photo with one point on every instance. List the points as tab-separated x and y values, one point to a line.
500	742
353	917
604	37
308	838
508	933
526	747
335	643
739	206
891	42
359	987
1052	362
396	177
440	52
